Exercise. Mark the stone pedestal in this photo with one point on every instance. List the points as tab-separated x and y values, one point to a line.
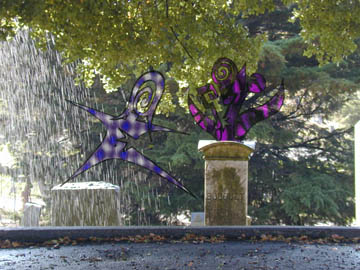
226	182
357	174
85	204
197	219
31	216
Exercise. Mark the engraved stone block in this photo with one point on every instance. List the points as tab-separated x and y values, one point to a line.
31	216
357	173
85	204
226	182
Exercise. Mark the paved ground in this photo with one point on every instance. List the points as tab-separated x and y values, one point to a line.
173	256
173	248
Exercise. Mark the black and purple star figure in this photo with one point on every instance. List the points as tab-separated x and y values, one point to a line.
231	89
133	122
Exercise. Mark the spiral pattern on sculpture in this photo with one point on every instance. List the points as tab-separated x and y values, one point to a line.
224	72
143	100
150	84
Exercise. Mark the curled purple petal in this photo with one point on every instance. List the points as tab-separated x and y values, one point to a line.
230	90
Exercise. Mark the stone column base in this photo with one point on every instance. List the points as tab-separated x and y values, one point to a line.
226	182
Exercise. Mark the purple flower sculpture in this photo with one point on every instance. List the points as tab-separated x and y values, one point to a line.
231	89
135	121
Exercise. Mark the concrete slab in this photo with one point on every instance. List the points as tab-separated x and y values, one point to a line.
41	234
233	253
230	255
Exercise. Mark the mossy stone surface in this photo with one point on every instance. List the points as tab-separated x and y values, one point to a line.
226	183
225	150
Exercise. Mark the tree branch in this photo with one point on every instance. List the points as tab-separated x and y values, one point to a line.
167	8
292	116
182	45
305	144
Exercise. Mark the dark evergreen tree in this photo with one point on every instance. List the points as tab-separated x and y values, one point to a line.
302	169
300	173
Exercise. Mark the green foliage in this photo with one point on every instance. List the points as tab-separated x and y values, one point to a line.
302	170
329	28
348	116
250	7
177	152
300	163
116	38
271	55
311	195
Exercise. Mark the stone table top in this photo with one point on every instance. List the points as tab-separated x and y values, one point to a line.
86	185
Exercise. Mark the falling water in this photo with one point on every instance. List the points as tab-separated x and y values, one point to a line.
49	137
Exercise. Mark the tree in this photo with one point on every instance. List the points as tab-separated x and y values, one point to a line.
309	155
50	138
116	38
302	170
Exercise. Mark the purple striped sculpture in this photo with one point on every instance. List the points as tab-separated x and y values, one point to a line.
230	89
135	121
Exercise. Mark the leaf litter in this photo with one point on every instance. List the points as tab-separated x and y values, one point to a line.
187	238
